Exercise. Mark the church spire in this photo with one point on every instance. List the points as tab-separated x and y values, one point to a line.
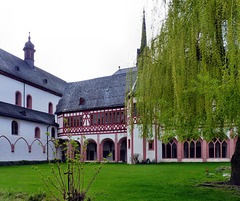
29	52
144	34
143	39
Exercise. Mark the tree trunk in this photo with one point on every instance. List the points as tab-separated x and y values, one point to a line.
235	165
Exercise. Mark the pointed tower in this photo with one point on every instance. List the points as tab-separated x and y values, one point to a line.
29	52
144	37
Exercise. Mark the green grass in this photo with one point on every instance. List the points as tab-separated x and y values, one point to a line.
164	181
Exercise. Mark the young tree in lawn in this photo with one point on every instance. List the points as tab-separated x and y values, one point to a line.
188	78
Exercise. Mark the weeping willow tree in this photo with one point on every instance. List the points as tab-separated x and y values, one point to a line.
189	77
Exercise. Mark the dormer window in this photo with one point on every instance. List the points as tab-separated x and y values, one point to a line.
17	68
81	101
45	81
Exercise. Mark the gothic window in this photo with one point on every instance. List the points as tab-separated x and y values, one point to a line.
18	99
192	149
37	132
169	150
14	128
217	149
29	101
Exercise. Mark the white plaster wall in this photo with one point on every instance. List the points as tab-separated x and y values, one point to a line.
26	131
150	153
105	136
192	160
121	135
169	160
218	160
8	88
40	98
159	150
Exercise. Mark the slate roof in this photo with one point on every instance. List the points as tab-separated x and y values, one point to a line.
13	111
104	92
18	68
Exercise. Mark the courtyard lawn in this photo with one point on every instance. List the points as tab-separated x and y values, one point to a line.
164	181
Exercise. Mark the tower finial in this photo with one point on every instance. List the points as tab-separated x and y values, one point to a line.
29	36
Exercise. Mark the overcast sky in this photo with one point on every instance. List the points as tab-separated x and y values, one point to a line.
75	39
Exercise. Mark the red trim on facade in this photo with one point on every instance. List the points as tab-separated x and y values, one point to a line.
116	149
11	145
98	148
144	148
156	148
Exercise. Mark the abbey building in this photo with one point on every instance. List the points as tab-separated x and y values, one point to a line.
34	102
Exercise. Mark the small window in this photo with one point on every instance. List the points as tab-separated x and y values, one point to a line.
18	99
102	118
129	144
50	108
134	110
37	132
99	120
106	118
150	144
81	122
81	101
29	101
95	119
91	119
53	133
114	117
14	128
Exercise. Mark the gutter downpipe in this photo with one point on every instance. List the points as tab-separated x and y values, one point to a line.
47	142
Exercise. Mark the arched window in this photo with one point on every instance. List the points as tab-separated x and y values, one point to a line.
37	132
169	150
217	149
18	98
14	128
50	108
53	133
192	149
29	101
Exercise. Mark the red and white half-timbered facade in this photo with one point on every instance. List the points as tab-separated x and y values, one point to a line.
104	129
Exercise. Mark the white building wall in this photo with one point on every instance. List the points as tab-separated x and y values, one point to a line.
41	104
150	154
40	98
159	150
24	141
8	88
